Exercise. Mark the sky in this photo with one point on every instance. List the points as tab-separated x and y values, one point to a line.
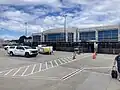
42	15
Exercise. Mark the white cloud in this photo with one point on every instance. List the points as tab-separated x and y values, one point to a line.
54	3
18	15
81	1
52	20
8	37
94	13
108	10
39	12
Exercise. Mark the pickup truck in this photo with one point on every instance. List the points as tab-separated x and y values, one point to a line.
22	51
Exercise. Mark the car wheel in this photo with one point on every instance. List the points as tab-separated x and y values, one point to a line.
50	53
11	54
27	55
35	55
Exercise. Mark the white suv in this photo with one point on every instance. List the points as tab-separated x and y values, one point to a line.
22	51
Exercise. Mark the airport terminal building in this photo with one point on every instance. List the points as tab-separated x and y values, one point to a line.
104	36
98	34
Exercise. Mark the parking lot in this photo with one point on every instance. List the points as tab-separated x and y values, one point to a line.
57	72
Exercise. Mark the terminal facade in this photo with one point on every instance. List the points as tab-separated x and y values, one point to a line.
103	36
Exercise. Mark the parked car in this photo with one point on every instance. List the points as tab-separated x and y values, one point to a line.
22	51
6	47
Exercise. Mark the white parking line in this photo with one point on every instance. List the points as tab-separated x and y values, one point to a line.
51	63
17	71
98	67
56	62
9	72
72	74
60	61
10	69
40	67
56	65
46	65
33	68
35	78
25	71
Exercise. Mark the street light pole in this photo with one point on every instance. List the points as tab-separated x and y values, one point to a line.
65	31
26	29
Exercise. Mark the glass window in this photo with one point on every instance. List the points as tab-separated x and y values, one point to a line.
108	35
55	37
28	48
21	48
70	37
87	35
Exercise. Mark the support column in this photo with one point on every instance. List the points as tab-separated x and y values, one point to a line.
41	35
32	37
66	36
119	32
78	35
74	37
96	44
43	38
96	35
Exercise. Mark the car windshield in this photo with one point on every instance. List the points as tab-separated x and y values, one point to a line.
28	48
12	47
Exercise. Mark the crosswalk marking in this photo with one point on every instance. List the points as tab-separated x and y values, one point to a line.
17	71
63	60
33	68
9	72
51	63
56	62
60	61
25	71
66	60
46	65
40	67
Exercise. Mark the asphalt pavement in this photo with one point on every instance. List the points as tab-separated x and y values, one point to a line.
57	72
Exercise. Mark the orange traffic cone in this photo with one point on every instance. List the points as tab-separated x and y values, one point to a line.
94	55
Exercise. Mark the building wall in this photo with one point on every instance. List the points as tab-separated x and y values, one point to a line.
59	37
70	37
54	37
36	38
86	36
103	33
110	34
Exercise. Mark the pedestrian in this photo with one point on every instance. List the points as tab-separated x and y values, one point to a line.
113	51
74	55
117	61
